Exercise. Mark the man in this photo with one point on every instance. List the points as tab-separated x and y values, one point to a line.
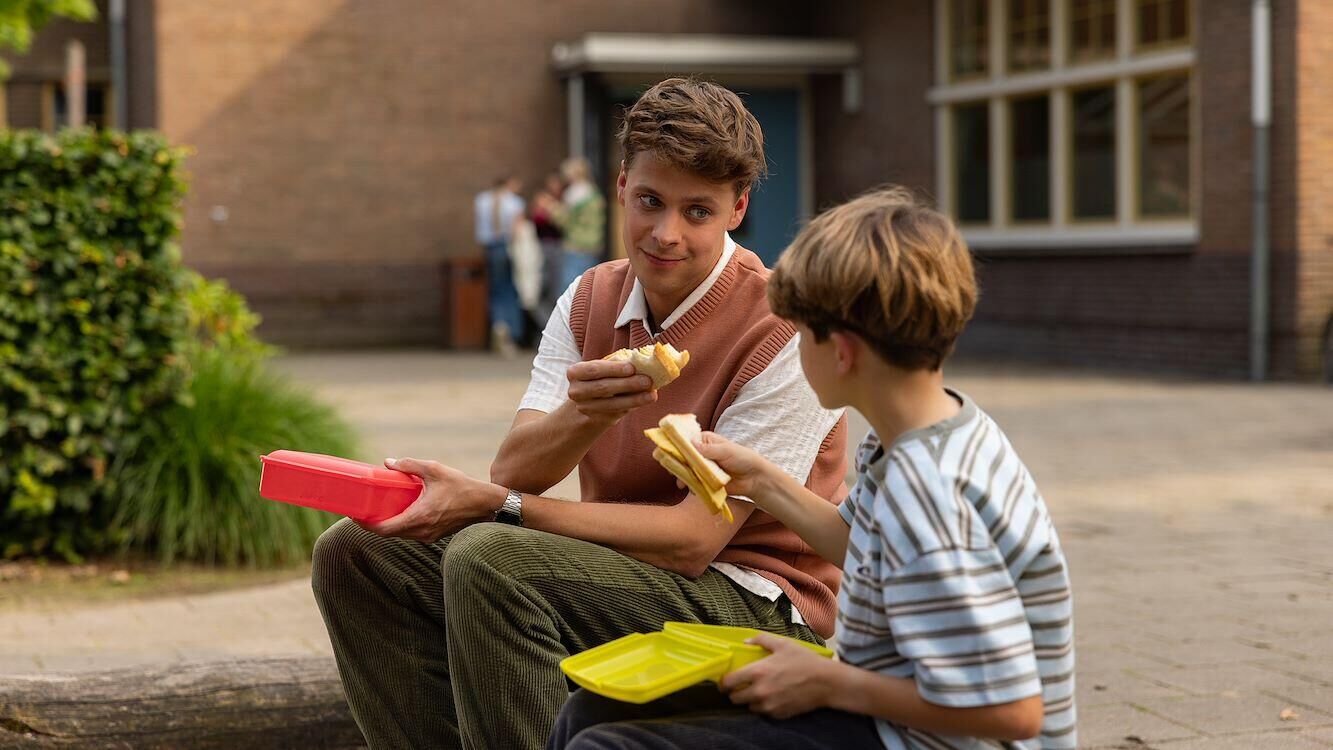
494	213
479	666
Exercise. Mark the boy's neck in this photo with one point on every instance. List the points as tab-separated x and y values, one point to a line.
899	401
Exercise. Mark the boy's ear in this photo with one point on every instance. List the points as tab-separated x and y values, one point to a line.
847	348
738	209
620	184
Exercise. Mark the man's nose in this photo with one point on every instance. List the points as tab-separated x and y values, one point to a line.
667	231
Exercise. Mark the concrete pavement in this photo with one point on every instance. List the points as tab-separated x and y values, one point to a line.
1198	519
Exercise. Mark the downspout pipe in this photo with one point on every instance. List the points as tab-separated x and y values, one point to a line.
1261	115
120	99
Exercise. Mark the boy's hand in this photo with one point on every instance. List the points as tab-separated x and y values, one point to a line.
449	501
749	471
603	391
790	682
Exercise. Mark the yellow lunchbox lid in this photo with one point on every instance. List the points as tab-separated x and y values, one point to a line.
639	668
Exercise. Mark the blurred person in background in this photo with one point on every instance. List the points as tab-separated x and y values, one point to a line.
551	239
581	215
496	211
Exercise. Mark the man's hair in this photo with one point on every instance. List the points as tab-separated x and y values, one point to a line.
699	127
883	266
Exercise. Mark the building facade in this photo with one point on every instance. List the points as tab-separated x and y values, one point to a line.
1098	153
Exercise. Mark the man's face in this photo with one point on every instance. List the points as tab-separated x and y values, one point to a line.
675	225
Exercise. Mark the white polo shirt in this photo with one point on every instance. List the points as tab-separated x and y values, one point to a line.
779	396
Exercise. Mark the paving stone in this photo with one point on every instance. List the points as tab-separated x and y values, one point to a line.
1261	741
1120	686
1234	712
1111	725
1232	678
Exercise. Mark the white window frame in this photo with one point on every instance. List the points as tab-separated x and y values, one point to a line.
1063	233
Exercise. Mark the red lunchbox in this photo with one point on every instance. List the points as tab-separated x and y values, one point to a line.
358	490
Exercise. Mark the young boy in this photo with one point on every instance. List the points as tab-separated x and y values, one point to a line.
954	620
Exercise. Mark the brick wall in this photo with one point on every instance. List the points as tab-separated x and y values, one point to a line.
1314	185
352	136
1184	311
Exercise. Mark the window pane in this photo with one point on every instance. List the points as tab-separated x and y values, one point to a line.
1163	21
971	160
1030	146
1092	162
1029	34
1091	29
1164	146
968	37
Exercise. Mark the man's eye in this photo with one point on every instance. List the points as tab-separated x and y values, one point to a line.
699	213
649	201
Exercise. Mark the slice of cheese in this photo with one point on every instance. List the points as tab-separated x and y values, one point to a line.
715	499
682	430
663	443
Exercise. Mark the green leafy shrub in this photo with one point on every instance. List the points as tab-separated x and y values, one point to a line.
188	486
93	324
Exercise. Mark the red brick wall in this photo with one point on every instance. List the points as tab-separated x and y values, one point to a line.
1185	311
354	135
1314	185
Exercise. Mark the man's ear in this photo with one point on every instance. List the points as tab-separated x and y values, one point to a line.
847	348
620	184
738	210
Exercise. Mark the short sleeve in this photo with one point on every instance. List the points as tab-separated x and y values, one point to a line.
958	617
548	387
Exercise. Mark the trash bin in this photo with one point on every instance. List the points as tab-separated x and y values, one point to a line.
463	303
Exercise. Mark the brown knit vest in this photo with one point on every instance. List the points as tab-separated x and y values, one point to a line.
732	336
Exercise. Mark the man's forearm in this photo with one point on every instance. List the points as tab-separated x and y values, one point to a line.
537	454
896	699
812	517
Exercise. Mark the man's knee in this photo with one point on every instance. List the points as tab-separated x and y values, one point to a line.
335	550
480	553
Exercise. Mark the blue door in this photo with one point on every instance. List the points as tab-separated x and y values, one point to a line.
775	207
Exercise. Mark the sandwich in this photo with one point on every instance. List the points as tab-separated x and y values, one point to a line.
674	437
658	361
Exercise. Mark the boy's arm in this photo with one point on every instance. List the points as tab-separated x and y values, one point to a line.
777	493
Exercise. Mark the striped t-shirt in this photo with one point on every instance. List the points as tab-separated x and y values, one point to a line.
954	577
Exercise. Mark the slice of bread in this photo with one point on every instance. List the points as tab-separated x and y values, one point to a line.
715	499
682	430
658	361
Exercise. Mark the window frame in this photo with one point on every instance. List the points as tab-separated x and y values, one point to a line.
1063	232
945	9
1139	47
49	102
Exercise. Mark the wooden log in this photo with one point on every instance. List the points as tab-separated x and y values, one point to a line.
250	703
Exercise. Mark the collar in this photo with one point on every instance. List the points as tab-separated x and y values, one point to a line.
636	307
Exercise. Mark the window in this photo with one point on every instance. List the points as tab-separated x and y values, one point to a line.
971	158
969	38
1092	146
1091	30
1092	158
1162	22
1164	145
1029	35
1030	155
96	106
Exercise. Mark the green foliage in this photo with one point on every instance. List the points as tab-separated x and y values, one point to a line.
220	318
93	323
20	20
188	486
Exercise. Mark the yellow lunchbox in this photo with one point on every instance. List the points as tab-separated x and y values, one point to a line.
639	668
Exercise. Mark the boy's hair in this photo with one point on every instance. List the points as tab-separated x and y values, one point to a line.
699	127
886	267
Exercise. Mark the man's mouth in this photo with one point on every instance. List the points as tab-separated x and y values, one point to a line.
659	260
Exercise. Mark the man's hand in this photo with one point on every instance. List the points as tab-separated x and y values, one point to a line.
750	472
791	681
603	391
449	501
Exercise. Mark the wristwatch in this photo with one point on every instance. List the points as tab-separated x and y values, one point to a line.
512	510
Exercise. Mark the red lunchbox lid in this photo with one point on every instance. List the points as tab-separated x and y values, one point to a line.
346	468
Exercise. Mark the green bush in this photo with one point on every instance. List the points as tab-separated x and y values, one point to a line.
188	486
93	324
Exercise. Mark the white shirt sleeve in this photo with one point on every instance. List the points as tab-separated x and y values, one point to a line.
780	397
549	386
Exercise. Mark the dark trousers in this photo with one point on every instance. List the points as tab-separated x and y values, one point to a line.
701	717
